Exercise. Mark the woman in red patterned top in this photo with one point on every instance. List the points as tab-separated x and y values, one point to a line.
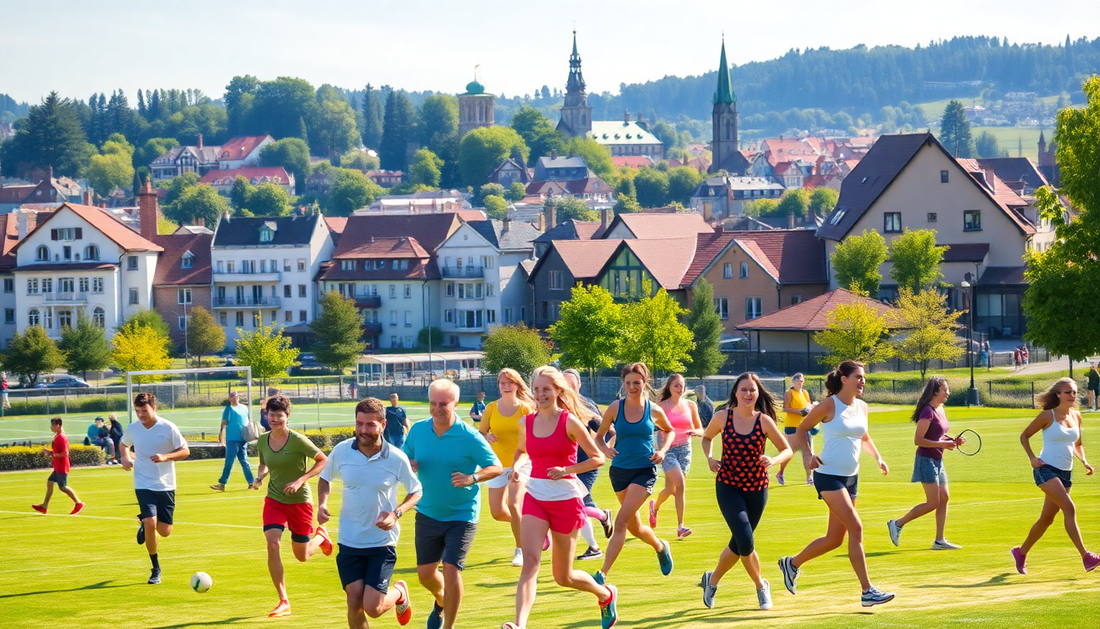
742	478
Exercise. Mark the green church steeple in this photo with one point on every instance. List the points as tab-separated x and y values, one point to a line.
725	93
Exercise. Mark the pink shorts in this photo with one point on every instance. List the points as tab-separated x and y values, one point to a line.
564	516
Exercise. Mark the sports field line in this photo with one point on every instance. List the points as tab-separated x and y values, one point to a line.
131	519
123	558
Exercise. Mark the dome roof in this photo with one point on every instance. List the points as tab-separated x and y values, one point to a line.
473	87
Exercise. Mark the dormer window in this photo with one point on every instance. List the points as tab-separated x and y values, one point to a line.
42	254
267	231
91	252
187	260
347	265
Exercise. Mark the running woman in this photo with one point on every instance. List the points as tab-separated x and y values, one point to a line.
59	452
931	440
284	456
1060	423
741	482
500	424
843	420
683	414
796	405
603	516
634	461
553	501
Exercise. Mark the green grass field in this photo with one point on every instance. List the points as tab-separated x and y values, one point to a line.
88	569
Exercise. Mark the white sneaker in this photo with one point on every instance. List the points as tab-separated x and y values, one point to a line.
764	596
517	559
944	545
895	531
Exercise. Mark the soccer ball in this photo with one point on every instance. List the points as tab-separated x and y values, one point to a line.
201	582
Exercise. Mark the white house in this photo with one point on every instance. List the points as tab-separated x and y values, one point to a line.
242	152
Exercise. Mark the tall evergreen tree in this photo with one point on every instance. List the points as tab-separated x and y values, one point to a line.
372	118
51	135
141	106
339	331
397	131
155	112
706	329
955	131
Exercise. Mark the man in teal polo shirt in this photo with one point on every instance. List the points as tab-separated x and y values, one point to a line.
234	420
450	458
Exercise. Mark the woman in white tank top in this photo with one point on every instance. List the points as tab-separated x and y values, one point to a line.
1060	424
843	419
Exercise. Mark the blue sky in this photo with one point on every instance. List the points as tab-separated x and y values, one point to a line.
78	47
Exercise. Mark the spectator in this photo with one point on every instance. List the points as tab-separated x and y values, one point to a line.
1093	386
114	432
706	406
353	390
264	423
4	389
98	435
983	354
1017	359
397	424
231	435
478	409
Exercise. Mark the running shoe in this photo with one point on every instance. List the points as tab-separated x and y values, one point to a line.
1092	560
1021	560
509	625
875	596
39	508
895	531
77	508
282	609
591	553
154	577
779	479
810	482
764	596
790	573
403	607
664	558
609	614
599	577
652	514
435	619
517	558
682	532
708	590
220	487
141	531
326	540
608	524
942	544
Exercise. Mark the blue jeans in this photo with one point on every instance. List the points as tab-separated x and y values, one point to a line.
236	450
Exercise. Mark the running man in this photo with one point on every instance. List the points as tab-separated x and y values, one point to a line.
396	424
603	516
231	435
59	452
1060	423
683	414
796	405
156	445
371	469
284	456
450	457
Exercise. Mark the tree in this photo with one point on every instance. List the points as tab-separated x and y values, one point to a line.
397	131
596	156
204	335
85	346
240	193
795	202
482	150
986	145
926	329
760	207
706	330
955	131
266	351
339	332
140	347
152	149
488	189
110	170
654	334
682	183
50	135
823	200
916	259
422	337
514	346
333	131
32	353
590	329
268	199
566	208
425	169
282	107
1064	281
372	118
148	318
516	192
359	160
537	132
495	207
350	191
178	185
652	187
626	197
856	261
854	332
196	202
293	155
437	118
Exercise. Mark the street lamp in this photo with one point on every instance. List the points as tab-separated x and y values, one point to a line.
972	397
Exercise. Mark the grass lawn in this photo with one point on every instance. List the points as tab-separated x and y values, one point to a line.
89	569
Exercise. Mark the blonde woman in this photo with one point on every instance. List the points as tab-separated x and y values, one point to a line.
796	405
683	414
500	424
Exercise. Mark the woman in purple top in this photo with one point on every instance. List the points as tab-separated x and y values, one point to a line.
931	440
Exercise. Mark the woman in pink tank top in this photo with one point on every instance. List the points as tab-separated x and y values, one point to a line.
683	414
553	501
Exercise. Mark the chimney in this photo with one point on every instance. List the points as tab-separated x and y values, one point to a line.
200	221
541	225
49	174
26	220
553	153
603	219
790	220
506	223
147	211
87	200
200	141
626	117
550	211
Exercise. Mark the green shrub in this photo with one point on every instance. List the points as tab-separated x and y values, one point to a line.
201	453
58	405
31	458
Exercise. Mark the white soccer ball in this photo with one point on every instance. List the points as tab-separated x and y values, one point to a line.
201	582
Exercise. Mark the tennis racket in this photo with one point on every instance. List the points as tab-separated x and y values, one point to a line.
973	443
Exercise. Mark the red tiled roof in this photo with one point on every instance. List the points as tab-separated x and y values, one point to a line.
812	314
584	258
631	161
275	174
429	230
789	256
387	247
9	231
472	215
16	194
170	271
336	224
240	147
108	225
646	225
667	259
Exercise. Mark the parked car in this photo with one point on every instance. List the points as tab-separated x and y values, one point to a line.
64	382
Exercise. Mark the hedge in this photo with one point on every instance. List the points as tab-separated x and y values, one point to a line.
58	405
32	458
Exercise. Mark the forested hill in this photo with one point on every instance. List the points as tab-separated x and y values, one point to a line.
864	79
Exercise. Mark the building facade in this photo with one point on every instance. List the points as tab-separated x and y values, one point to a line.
475	109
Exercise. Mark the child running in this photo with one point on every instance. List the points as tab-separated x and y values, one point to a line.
796	405
1060	423
634	462
931	440
59	452
741	485
553	501
683	414
843	420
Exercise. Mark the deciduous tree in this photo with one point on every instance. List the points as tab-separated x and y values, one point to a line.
590	330
795	202
654	334
652	187
293	155
350	191
823	200
425	169
854	332
196	202
856	261
266	351
566	208
514	346
682	183
85	347
140	347
482	150
339	332
204	335
495	207
924	328
268	199
916	259
31	353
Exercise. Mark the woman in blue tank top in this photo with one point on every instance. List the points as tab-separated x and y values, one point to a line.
634	461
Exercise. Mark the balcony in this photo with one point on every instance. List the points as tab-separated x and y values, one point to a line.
372	328
365	300
67	298
247	278
247	302
463	271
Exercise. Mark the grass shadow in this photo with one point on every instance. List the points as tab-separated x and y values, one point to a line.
227	621
102	585
994	581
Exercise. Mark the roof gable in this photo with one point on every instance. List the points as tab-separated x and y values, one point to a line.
585	259
788	256
242	231
104	223
649	225
812	314
430	230
175	247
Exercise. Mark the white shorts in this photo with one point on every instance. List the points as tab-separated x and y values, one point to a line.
502	481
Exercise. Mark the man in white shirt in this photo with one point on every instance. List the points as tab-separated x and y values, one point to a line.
157	444
371	469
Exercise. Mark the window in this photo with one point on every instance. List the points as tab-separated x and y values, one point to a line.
266	235
9	285
408	341
133	296
408	291
47	285
288	316
183	321
727	271
287	290
64	319
47	319
223	318
972	220
490	316
286	264
231	266
796	299
256	321
448	316
42	254
347	265
221	267
508	313
32	317
449	289
183	296
302	316
393	317
837	215
393	291
752	307
408	318
401	265
490	289
555	280
83	282
32	286
722	307
66	233
301	264
67	252
743	272
944	177
891	222
97	284
91	252
65	285
99	317
240	319
9	315
931	217
302	290
274	316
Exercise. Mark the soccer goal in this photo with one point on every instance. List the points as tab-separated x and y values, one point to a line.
191	397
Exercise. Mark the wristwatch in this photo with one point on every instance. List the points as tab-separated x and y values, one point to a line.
399	513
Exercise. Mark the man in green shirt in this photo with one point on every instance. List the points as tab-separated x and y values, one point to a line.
284	456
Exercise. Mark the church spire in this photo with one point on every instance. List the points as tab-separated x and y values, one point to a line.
725	93
575	84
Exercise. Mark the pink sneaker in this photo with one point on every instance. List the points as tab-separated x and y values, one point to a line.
682	532
1092	560
652	514
1021	561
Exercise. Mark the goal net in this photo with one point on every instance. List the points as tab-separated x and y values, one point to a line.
193	399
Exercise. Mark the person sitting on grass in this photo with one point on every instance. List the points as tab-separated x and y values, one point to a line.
98	435
59	451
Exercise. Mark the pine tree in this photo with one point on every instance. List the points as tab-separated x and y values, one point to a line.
154	106
706	330
397	131
955	131
50	135
85	346
372	118
141	106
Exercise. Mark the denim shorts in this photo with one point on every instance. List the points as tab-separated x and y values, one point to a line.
929	470
1047	472
678	456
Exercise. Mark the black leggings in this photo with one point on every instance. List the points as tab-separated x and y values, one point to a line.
742	511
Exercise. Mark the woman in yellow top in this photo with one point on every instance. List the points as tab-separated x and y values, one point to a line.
500	423
796	403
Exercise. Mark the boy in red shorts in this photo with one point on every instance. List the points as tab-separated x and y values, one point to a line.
61	465
284	455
